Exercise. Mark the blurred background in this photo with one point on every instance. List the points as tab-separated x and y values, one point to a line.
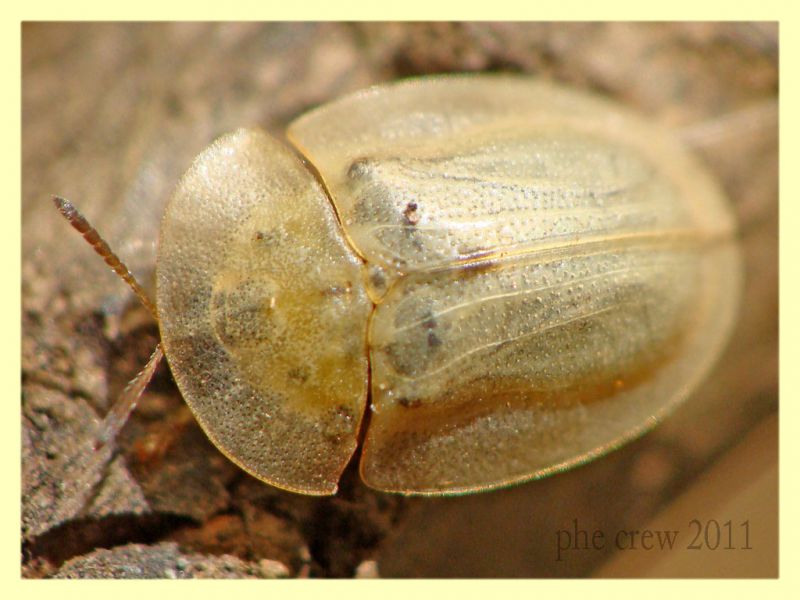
112	116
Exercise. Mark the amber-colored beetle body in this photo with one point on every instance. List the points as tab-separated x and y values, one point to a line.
507	276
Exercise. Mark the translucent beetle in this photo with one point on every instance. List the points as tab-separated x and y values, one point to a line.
483	279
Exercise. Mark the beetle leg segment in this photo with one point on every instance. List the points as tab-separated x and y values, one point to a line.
119	413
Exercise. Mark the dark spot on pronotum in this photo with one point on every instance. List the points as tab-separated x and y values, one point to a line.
270	237
409	403
338	290
338	423
298	374
344	412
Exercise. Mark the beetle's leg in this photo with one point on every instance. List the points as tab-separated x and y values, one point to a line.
89	233
122	408
753	120
724	140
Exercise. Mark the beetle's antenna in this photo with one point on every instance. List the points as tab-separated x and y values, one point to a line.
122	408
89	233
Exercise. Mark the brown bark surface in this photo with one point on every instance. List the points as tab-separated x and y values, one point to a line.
112	116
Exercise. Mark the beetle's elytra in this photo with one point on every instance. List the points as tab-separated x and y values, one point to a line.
493	277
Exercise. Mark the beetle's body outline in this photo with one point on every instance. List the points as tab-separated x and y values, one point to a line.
437	129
